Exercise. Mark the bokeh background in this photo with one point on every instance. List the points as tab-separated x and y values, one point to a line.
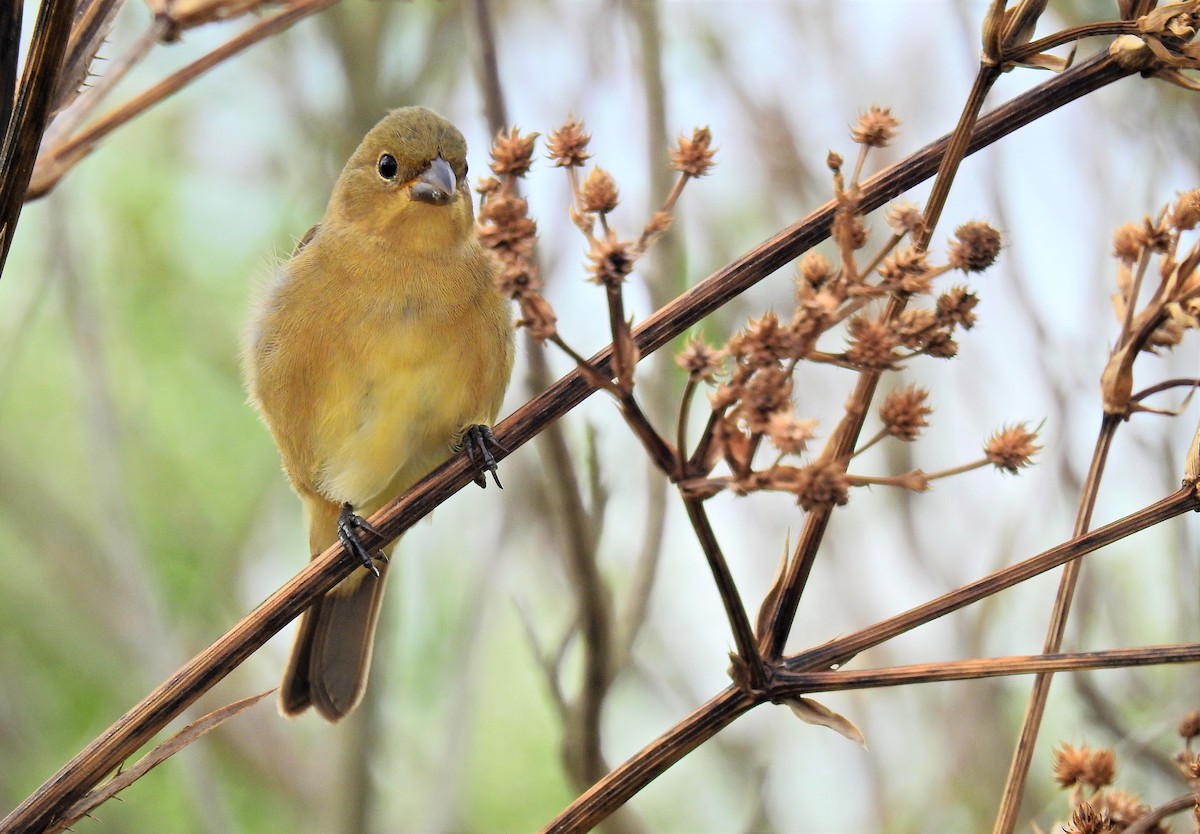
142	509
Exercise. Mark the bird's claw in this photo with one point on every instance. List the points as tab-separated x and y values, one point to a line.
349	523
480	441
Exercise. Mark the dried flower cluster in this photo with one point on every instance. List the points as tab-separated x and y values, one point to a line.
878	309
1099	808
1155	306
506	228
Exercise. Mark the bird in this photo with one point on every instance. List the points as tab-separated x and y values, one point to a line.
377	351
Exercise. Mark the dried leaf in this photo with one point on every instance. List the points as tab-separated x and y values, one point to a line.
160	754
768	603
812	712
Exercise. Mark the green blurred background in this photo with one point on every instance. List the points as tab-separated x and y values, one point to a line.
142	509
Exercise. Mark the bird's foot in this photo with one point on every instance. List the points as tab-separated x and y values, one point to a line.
479	442
349	523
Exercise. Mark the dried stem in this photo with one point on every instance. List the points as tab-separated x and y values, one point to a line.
800	683
1150	820
839	651
53	165
35	98
743	634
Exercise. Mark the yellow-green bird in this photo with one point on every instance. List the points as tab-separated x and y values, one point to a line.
380	349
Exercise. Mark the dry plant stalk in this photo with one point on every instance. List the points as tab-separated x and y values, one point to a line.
752	407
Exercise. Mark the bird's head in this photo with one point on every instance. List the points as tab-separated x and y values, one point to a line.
407	181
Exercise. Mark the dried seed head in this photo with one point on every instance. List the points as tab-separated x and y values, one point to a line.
762	342
1154	235
568	145
848	229
904	218
956	306
976	246
875	128
505	227
612	260
1100	769
1185	215
694	156
1069	763
1087	820
872	344
813	271
915	326
512	153
768	391
822	484
790	434
1012	448
904	412
701	361
1124	809
1189	726
1127	243
515	279
487	186
906	270
598	194
941	345
834	160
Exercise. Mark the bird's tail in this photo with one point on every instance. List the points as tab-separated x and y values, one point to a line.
332	653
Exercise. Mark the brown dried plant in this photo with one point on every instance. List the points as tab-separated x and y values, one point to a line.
1097	807
866	310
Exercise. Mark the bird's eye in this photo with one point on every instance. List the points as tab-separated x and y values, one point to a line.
465	168
387	167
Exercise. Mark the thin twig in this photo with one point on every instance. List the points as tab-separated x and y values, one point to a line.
65	156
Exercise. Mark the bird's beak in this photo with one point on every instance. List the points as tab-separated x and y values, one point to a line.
437	186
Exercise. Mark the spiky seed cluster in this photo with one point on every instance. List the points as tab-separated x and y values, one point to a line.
904	218
904	412
504	227
611	261
789	433
512	153
1185	214
1012	448
1123	809
876	128
1085	819
694	156
907	270
872	344
822	484
701	361
1154	235
956	307
1127	244
975	248
849	230
568	145
598	194
813	272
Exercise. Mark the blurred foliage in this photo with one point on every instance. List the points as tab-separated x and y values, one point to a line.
142	509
